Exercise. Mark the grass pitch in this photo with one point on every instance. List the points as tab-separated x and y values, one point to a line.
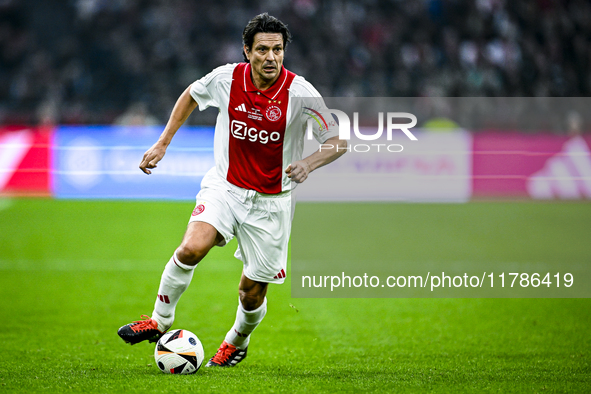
72	272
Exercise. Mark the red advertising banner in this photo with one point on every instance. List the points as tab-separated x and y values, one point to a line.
25	160
539	166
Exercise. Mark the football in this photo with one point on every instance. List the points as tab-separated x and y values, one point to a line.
179	352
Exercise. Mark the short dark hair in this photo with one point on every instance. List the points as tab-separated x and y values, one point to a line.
264	23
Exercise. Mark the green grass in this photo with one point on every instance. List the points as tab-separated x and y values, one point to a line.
72	272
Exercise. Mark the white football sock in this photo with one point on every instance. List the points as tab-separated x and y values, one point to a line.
246	322
173	283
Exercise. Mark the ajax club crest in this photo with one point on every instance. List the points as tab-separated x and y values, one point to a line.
198	209
273	113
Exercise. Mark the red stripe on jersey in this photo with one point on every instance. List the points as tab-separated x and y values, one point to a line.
257	122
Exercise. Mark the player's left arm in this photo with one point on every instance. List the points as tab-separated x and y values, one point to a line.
332	149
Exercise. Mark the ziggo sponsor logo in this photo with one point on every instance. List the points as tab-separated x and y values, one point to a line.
241	131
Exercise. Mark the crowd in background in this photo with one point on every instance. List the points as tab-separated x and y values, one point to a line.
127	61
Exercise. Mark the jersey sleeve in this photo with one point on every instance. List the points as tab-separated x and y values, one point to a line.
205	90
314	109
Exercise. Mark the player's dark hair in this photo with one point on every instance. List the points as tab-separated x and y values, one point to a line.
264	23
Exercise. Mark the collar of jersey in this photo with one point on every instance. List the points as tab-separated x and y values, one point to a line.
271	92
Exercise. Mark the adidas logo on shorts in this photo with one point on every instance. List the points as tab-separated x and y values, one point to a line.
280	275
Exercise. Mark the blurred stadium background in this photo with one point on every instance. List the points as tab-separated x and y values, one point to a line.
125	62
93	61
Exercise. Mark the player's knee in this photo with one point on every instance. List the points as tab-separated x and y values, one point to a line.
191	254
251	301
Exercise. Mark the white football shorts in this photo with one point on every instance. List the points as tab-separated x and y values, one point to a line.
260	222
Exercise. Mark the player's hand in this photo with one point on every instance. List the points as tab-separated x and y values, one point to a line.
152	157
298	171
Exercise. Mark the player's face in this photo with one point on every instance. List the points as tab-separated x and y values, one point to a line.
266	58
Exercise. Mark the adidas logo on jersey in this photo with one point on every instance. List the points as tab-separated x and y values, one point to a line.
241	108
565	175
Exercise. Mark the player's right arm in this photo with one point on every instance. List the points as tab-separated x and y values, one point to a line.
181	111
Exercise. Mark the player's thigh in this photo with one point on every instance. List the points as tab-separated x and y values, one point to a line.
199	238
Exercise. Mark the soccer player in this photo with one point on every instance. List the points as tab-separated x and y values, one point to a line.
258	146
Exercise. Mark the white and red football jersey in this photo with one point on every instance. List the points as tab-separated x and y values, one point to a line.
258	133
